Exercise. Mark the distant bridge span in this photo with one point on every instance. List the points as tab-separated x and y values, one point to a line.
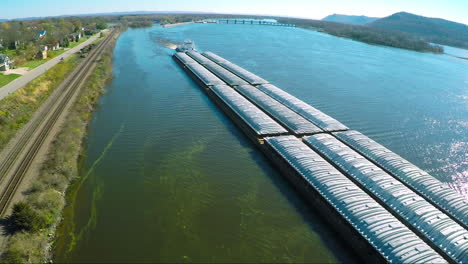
253	22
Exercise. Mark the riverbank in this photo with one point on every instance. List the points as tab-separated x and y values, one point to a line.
177	24
46	196
18	108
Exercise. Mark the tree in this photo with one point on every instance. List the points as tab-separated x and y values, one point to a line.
78	25
24	217
101	25
65	42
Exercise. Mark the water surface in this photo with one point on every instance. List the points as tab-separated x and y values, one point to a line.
168	178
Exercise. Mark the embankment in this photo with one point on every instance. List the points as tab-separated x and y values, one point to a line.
18	108
46	196
177	24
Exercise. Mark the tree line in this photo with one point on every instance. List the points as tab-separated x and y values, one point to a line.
22	39
368	35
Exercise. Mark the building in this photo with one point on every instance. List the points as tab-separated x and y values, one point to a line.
5	62
75	37
41	33
42	53
53	47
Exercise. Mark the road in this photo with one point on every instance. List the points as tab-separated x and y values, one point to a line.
34	73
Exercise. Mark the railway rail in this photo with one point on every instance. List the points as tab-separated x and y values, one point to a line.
30	142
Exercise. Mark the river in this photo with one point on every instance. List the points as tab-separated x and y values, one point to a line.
168	178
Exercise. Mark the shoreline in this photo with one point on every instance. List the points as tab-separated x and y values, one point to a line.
47	195
177	24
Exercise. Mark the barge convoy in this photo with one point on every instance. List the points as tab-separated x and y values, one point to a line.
386	208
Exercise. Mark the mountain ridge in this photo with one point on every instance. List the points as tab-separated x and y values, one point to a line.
349	19
435	30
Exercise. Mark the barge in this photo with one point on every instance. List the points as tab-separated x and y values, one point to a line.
381	218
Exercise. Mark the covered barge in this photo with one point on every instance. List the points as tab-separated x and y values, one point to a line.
383	217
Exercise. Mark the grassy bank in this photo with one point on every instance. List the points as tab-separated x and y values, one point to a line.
46	197
17	109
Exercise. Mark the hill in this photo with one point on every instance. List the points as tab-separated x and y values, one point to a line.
434	30
370	35
353	20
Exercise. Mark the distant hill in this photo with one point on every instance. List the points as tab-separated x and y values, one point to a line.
363	33
434	30
129	13
353	20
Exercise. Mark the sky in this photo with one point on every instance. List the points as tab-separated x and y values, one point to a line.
455	10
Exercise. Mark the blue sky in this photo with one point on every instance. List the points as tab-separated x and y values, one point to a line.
456	10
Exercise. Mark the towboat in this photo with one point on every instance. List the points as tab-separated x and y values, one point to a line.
188	45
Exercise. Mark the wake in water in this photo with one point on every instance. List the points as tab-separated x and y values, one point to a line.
166	43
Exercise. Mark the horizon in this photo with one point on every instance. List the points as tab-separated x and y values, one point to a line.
453	10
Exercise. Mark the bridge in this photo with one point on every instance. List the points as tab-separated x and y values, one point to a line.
253	22
384	207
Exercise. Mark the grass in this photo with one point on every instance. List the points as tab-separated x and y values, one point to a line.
74	44
99	39
5	79
9	53
17	108
46	195
33	64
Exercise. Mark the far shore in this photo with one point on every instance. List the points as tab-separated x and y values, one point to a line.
177	24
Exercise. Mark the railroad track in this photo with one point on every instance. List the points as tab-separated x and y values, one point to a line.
42	126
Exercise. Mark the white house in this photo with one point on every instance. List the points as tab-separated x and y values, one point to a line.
5	62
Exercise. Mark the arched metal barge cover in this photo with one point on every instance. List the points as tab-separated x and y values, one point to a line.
451	202
219	60
440	231
204	75
255	118
296	123
239	71
316	116
184	58
198	57
225	75
386	234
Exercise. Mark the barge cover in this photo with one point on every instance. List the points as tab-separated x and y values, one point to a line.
444	197
225	75
386	234
260	122
184	58
239	71
198	57
296	123
312	114
446	235
204	75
